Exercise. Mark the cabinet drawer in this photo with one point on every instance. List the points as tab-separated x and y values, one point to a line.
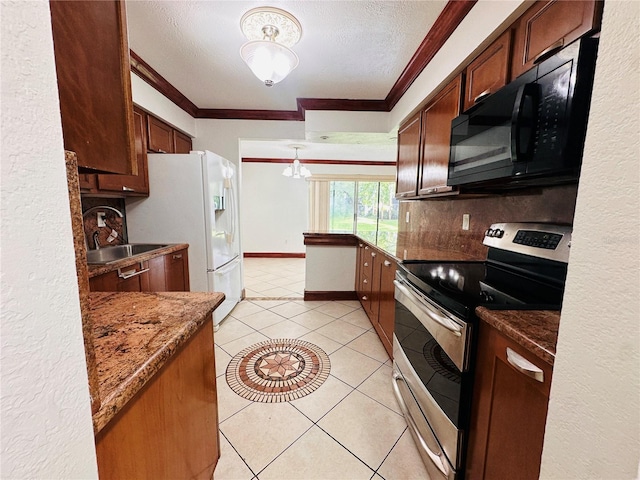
134	278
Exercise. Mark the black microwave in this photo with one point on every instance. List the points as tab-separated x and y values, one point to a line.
531	131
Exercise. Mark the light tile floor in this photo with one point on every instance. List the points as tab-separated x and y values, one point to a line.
349	428
274	277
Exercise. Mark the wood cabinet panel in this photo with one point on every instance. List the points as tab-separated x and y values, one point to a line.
166	273
94	83
387	311
508	413
159	136
436	138
181	143
131	185
170	428
489	71
176	270
130	279
408	157
550	25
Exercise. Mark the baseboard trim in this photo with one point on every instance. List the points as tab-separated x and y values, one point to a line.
330	295
273	255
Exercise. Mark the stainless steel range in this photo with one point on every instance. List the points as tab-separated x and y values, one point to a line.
433	344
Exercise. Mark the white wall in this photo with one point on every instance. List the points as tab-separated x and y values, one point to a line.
154	102
275	209
593	424
46	416
330	268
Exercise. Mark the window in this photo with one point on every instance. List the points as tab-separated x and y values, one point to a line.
366	207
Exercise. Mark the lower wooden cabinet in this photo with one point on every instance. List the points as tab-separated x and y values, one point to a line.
509	409
165	273
375	272
170	428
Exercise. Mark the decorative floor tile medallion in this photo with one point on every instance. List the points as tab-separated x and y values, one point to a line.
278	370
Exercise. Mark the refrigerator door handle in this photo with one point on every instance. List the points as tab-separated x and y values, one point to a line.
227	268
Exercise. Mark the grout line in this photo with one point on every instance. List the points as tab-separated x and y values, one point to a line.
238	453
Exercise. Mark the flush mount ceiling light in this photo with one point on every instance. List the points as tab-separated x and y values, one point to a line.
296	169
270	31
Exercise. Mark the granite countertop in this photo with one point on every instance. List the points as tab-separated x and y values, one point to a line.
95	269
386	244
534	330
135	334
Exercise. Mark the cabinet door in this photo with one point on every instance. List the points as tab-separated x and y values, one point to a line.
176	268
376	270
436	138
550	25
157	282
94	83
408	158
88	183
131	185
489	71
181	142
387	312
509	411
160	136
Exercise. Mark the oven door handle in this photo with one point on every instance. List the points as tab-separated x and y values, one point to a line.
443	321
436	458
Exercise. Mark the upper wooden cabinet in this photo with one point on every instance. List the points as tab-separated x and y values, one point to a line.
489	71
181	143
436	137
94	83
131	185
162	138
550	25
408	157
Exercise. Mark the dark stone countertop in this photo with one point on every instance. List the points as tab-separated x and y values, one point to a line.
100	269
135	334
534	330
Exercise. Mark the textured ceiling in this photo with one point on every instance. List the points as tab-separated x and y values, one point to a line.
348	49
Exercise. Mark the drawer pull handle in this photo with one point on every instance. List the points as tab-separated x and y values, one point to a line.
177	257
550	50
373	254
161	151
365	298
365	281
524	366
387	263
366	248
127	189
131	273
366	264
482	96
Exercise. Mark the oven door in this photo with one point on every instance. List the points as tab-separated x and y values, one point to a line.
431	356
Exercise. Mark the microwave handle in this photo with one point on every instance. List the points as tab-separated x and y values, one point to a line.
526	91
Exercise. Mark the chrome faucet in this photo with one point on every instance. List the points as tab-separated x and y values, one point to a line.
97	232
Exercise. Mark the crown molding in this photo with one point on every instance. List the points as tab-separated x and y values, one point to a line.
448	20
446	23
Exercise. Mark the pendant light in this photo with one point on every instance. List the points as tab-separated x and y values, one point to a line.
270	31
296	169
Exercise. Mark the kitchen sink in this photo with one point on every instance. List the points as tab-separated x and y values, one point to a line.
118	252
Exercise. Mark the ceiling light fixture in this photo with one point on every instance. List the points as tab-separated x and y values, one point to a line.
296	169
270	31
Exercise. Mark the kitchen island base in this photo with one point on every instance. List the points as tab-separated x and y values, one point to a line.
169	429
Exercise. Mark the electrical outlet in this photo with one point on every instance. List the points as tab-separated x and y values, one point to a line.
404	256
406	218
101	222
465	221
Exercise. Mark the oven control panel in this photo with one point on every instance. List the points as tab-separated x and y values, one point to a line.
542	240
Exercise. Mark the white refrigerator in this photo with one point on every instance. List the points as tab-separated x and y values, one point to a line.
193	199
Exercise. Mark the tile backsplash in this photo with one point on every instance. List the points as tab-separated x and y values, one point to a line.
434	231
114	223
